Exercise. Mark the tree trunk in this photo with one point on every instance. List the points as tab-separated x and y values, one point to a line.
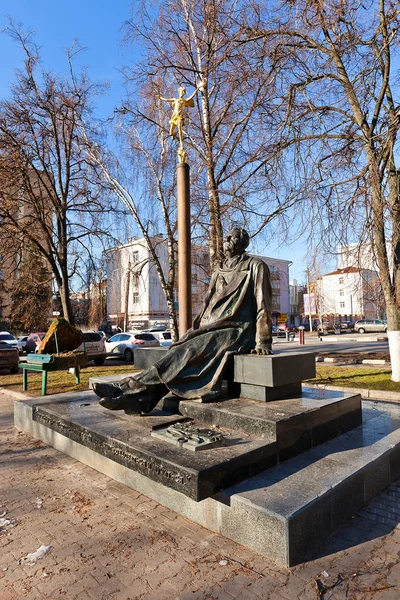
126	303
173	322
216	236
66	304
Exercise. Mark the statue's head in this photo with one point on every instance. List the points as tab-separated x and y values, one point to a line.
181	91
236	242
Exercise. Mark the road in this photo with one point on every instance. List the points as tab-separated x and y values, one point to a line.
335	345
327	344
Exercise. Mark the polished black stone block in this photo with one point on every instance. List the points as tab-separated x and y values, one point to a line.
275	370
146	357
263	393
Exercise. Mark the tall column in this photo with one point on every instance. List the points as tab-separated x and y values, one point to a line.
184	250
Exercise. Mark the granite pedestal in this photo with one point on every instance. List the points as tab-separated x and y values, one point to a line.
283	512
283	474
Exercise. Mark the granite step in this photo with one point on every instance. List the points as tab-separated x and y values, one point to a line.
297	424
128	441
288	510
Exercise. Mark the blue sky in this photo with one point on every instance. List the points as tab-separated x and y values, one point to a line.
96	24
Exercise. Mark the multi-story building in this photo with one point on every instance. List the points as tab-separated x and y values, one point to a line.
134	291
279	271
349	293
296	294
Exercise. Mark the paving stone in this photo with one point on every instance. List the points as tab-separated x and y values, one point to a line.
116	538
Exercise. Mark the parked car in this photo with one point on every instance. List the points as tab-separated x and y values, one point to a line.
9	357
276	331
287	327
10	340
123	344
102	334
22	343
347	325
155	328
327	327
164	337
306	326
94	345
34	340
370	325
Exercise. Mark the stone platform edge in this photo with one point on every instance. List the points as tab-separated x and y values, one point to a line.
375	395
230	513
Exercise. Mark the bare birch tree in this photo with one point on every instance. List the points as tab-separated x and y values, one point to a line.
234	126
336	65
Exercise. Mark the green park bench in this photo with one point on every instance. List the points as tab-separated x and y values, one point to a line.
44	363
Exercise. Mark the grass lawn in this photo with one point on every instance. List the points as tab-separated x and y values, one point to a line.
63	381
356	377
59	381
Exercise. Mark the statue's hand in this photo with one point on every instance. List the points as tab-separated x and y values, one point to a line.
262	350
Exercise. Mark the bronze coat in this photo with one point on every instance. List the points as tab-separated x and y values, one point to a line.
235	317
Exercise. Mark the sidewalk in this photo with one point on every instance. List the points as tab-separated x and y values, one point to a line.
111	543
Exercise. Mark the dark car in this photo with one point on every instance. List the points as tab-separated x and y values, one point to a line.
9	357
276	331
306	326
327	327
287	327
347	325
33	340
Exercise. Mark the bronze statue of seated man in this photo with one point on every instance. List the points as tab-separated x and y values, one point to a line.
235	318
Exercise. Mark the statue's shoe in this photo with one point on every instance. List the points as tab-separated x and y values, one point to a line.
129	404
112	403
107	390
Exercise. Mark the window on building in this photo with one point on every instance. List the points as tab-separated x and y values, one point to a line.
135	281
341	292
342	305
341	280
135	298
135	256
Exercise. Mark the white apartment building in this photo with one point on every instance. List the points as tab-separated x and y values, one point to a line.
279	270
296	294
349	292
133	283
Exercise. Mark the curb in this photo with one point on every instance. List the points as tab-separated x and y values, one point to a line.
14	394
377	395
366	361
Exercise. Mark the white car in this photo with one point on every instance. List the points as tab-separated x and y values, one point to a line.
10	340
22	343
93	344
164	337
123	344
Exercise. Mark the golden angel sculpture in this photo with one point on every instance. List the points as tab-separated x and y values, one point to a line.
177	120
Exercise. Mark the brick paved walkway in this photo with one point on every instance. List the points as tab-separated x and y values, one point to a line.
112	543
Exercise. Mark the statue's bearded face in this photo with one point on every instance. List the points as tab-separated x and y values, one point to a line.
233	243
